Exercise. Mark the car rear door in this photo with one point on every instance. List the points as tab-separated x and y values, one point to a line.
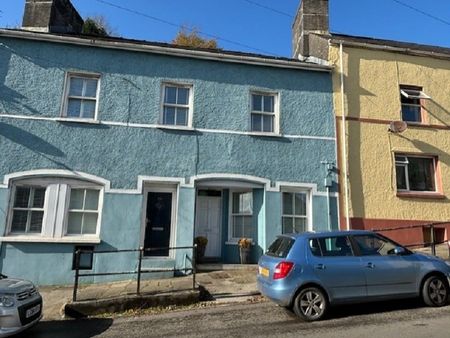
337	268
387	274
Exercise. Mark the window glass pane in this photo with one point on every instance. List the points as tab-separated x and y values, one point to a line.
336	246
421	174
169	115
88	109
256	102
314	246
76	199
170	95
91	88
411	113
74	223
74	108
287	204
182	116
22	197
269	104
39	197
183	96
36	221
256	122
242	203
91	202
248	228
76	86
300	225
370	245
237	226
268	123
287	225
400	171
280	247
19	221
90	224
300	204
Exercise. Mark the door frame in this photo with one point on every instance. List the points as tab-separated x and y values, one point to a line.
173	221
220	217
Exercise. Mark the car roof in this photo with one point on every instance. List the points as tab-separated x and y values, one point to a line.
310	234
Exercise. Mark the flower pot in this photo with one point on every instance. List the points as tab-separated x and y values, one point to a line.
245	255
200	253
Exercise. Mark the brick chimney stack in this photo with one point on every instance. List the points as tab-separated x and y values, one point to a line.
51	16
312	17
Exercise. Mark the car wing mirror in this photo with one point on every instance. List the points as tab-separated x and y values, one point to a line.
398	250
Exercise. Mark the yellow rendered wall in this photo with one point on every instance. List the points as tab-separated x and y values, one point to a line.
371	80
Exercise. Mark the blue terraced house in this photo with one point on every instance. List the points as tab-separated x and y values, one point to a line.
109	143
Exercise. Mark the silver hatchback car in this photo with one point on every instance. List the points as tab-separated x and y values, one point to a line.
20	305
308	272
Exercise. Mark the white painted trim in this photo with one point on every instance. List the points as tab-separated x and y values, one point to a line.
190	105
235	177
232	239
276	114
157	126
166	50
280	185
309	204
39	239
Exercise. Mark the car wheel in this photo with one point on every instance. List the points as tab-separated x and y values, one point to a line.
310	304
435	291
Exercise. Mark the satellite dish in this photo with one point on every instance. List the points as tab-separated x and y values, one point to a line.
397	126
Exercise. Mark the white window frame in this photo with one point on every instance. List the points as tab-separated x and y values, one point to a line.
414	93
307	207
275	114
232	239
56	205
66	96
404	165
29	209
189	106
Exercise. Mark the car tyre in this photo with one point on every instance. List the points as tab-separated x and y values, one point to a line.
435	291
310	304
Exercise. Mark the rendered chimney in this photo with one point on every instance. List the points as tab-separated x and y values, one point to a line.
312	17
51	16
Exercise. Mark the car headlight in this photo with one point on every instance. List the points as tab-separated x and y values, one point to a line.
6	301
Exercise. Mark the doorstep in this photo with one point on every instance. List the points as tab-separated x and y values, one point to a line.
204	267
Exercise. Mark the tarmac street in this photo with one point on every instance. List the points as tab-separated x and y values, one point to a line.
264	319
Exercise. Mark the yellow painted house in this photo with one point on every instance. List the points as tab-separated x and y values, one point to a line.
392	107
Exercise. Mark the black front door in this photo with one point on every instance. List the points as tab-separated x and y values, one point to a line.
158	223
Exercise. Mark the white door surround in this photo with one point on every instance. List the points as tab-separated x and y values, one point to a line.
208	220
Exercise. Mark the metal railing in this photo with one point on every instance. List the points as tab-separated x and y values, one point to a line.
432	228
139	270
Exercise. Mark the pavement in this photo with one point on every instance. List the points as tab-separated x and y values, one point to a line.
231	283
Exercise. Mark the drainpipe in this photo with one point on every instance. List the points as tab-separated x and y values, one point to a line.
343	139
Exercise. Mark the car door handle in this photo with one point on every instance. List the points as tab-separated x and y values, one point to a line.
370	265
320	267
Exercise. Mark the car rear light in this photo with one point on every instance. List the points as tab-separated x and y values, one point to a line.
282	270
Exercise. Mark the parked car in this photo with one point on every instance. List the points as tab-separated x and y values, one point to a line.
20	305
308	272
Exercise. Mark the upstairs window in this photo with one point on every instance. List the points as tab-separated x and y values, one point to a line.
415	173
81	96
411	100
177	105
264	112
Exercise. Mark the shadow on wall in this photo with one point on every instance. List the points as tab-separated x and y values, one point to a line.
28	140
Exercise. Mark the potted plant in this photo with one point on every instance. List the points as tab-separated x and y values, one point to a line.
201	242
245	246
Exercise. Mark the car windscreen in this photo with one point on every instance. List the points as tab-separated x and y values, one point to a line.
280	247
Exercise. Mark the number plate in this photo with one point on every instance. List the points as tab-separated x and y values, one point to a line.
263	271
32	311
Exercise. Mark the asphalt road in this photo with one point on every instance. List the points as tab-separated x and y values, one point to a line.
392	319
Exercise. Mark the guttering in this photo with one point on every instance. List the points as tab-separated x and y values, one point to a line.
387	48
343	139
171	51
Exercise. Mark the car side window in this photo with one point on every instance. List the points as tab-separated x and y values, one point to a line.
331	246
371	245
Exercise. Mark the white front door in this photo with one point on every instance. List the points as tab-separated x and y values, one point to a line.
208	220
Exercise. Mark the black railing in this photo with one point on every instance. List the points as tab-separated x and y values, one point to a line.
432	228
139	270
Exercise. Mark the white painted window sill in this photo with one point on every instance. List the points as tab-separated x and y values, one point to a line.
263	134
172	127
39	239
75	120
